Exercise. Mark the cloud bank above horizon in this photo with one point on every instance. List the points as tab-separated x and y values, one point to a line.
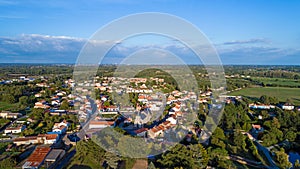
36	48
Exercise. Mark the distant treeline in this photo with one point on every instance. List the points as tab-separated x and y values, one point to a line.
288	72
14	70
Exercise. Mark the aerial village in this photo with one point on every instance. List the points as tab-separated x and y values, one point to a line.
75	115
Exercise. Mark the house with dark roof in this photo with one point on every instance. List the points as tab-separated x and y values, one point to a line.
54	156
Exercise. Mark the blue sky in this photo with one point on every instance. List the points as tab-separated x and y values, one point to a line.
243	32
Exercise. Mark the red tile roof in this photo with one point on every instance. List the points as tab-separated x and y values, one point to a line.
38	156
25	138
141	130
49	136
102	122
256	126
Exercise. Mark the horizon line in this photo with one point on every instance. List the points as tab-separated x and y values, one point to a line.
114	64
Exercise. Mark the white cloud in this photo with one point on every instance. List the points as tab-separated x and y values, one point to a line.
248	41
64	49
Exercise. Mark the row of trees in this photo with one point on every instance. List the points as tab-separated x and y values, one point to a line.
289	72
11	70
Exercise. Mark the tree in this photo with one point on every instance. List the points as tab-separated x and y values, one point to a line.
112	160
8	163
264	114
288	100
272	137
218	133
297	164
181	156
64	105
23	100
132	147
37	114
274	100
199	155
275	123
151	166
177	157
28	132
239	140
268	124
8	98
89	153
290	136
246	126
218	158
264	99
218	137
106	103
251	146
282	159
31	100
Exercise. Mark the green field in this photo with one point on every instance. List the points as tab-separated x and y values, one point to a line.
282	93
279	82
7	106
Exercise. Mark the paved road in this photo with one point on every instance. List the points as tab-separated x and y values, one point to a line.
245	161
279	144
267	154
85	127
65	160
6	140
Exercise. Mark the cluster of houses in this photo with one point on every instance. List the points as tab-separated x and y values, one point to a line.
9	115
76	100
48	148
257	130
152	101
44	154
156	131
17	79
108	84
49	138
285	106
149	102
56	100
85	108
260	106
237	76
162	128
143	114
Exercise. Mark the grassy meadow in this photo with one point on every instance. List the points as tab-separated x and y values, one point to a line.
282	93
